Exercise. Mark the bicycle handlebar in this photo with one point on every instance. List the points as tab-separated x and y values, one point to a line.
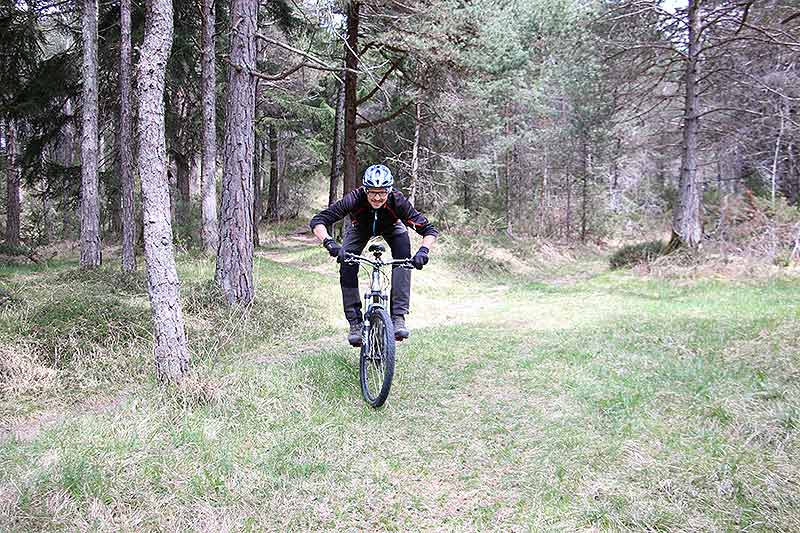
354	258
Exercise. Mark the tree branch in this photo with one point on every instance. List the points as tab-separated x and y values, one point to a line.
379	85
372	123
321	64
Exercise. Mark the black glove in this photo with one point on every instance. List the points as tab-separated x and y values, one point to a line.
420	259
332	246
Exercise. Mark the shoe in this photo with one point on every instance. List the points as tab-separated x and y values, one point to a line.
400	330
354	336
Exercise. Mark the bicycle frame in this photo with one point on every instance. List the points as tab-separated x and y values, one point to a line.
376	296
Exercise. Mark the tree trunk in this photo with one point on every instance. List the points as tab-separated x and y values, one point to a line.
615	200
465	174
283	163
125	144
184	170
171	352
543	195
46	222
337	154
687	223
235	258
258	202
12	187
208	169
272	201
67	156
90	204
351	180
569	206
412	193
584	187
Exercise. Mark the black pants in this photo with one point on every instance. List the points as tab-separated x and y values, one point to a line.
354	243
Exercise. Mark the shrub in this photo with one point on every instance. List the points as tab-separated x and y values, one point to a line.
14	249
635	254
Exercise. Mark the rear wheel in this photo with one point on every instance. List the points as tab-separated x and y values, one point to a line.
376	367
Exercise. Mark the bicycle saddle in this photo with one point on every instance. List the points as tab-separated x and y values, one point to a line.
377	248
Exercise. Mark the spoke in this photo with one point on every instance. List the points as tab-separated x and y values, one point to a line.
374	369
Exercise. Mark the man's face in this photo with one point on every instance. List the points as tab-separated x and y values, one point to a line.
377	197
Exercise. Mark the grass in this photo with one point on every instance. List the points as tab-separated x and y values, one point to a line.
610	402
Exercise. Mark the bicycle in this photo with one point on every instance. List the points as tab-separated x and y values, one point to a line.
376	362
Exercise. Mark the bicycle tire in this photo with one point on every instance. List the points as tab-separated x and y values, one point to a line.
376	364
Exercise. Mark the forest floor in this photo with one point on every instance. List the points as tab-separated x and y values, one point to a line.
540	394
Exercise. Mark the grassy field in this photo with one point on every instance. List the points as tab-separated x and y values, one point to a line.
579	399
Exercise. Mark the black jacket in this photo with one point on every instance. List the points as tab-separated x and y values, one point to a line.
375	221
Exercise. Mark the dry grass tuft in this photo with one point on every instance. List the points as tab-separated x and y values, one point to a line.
197	391
22	372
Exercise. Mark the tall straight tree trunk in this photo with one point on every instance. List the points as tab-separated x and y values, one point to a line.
337	154
507	171
283	163
615	200
125	148
208	169
351	98
687	223
90	204
171	351
12	187
412	194
67	156
543	195
234	271
184	171
569	206
274	178
584	186
258	202
465	174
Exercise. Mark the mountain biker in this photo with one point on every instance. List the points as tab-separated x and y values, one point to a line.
376	209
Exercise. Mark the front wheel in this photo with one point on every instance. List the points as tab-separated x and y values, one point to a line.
376	367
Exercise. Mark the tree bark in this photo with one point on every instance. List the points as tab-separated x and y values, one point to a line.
272	200
351	180
337	154
258	202
687	223
234	271
569	206
465	175
67	157
615	197
171	352
412	194
208	170
584	186
12	187
184	169
90	204
544	194
125	147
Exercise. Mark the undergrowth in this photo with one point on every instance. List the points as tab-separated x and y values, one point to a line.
67	332
636	254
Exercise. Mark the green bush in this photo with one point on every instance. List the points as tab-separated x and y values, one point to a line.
14	249
635	254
